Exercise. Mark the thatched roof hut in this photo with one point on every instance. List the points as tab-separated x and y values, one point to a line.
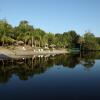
20	42
52	45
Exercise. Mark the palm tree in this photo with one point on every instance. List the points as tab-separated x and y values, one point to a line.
5	31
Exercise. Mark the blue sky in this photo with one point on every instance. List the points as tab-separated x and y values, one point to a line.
55	16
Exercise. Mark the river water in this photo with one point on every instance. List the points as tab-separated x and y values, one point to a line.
55	77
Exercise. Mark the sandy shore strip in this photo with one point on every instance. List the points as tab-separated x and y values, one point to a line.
18	53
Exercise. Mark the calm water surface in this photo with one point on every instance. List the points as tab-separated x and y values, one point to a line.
59	77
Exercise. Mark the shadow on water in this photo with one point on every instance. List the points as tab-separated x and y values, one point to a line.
4	57
26	68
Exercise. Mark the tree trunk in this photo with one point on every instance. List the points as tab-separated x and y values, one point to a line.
3	43
25	42
32	41
35	44
39	44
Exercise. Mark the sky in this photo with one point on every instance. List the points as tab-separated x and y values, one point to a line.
56	16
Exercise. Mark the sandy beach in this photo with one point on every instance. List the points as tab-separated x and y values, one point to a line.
22	51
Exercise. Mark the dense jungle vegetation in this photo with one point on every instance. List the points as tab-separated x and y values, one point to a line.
36	37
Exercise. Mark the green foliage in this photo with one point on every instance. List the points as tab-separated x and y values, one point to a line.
37	37
72	38
98	40
50	38
90	41
60	40
5	32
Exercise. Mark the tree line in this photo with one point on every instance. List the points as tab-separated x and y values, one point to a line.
37	37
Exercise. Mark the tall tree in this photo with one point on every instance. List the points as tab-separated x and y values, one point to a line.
72	38
60	40
23	31
90	41
5	31
41	36
50	38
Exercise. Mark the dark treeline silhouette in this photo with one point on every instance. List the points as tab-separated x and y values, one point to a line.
27	68
26	34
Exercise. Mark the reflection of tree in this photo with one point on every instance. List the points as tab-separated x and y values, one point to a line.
67	60
23	68
88	59
89	63
72	62
27	68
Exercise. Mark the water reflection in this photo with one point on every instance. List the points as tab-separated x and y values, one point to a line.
88	59
27	68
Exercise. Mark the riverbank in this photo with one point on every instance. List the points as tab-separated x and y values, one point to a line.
20	51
